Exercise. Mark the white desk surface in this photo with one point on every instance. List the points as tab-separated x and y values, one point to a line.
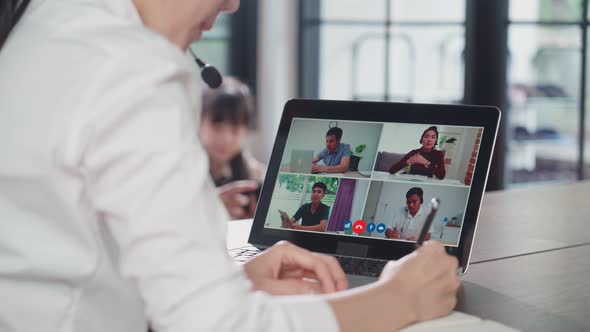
349	174
237	233
414	178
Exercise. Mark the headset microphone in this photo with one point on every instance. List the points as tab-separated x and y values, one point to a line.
210	74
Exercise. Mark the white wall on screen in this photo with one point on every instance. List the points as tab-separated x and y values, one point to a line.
358	201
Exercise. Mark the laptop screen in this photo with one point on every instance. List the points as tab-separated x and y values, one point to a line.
374	179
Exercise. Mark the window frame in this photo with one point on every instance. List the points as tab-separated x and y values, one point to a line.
486	52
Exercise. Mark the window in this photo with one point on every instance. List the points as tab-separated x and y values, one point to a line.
403	50
231	45
414	50
545	78
213	47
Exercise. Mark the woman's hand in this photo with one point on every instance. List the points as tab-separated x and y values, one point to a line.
425	282
239	198
418	159
420	286
285	269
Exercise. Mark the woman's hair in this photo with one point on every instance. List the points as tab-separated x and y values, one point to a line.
231	103
10	13
433	128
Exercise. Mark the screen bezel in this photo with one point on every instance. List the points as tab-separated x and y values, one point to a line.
487	117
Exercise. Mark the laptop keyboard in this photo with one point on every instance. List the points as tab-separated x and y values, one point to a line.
350	265
244	254
361	266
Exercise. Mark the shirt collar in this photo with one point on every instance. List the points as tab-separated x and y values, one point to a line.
123	8
419	213
337	149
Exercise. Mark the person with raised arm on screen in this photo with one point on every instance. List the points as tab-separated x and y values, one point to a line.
426	160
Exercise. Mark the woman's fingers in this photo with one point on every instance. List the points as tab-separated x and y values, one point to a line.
235	200
336	271
289	286
234	197
296	272
326	270
237	187
236	212
286	265
296	256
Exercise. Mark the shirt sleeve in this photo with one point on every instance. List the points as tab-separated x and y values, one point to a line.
299	213
346	150
438	165
148	178
325	213
322	154
401	163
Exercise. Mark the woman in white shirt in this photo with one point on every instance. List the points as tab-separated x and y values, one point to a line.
107	221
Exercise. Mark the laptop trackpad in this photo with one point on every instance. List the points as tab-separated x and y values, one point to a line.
358	280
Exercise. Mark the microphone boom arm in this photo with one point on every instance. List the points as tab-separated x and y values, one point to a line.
210	74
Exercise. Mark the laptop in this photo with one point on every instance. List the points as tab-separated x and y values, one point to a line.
361	210
301	161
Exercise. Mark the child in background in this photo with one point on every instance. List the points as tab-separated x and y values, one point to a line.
226	117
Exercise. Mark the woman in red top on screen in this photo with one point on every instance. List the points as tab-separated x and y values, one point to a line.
424	161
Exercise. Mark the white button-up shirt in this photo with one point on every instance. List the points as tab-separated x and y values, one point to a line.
108	218
408	225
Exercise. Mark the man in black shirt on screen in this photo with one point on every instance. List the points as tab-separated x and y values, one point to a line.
314	215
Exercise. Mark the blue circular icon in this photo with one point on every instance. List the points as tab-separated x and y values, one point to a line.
347	225
381	228
371	227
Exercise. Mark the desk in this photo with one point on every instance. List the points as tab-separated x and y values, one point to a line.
533	219
385	176
527	269
548	291
348	174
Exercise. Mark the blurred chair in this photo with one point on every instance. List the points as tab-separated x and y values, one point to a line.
386	159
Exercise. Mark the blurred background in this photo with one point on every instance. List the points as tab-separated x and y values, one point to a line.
528	57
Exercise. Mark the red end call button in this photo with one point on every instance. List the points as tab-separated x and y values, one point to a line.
359	226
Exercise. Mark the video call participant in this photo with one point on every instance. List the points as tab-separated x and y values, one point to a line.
314	215
336	155
225	118
407	222
426	160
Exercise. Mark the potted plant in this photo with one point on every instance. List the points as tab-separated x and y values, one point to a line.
444	140
448	145
355	158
